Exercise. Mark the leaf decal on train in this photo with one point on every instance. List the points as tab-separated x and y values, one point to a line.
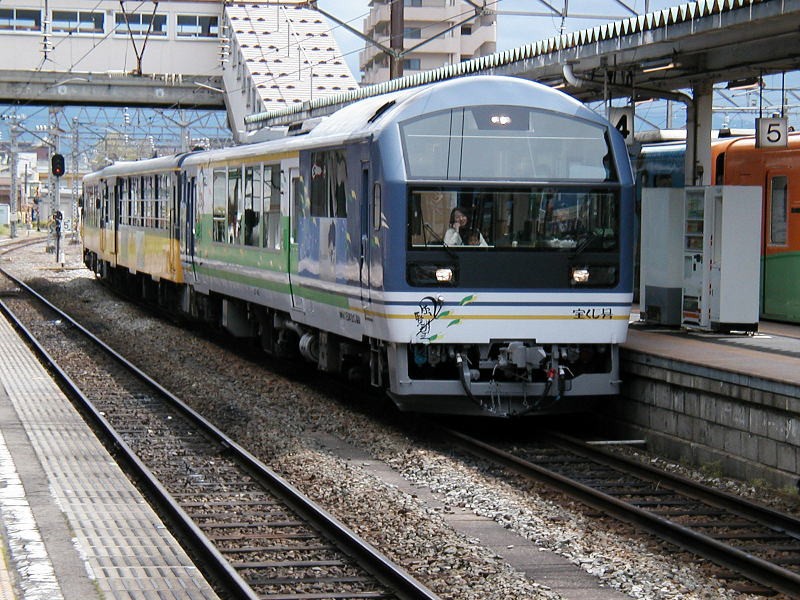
468	300
454	322
444	313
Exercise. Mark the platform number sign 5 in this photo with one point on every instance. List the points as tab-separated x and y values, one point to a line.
772	132
621	117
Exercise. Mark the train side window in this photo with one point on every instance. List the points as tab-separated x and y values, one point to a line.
220	204
719	176
777	210
376	207
328	184
234	204
272	207
252	205
135	201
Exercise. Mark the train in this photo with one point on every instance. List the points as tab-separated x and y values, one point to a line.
737	160
327	244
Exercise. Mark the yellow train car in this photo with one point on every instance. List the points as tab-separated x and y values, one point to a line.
131	218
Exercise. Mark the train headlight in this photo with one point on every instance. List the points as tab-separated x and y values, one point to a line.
502	120
594	276
424	274
580	275
444	275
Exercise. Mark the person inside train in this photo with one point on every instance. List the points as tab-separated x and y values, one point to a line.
460	232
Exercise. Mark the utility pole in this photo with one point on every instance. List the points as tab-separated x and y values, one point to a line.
76	213
12	201
396	33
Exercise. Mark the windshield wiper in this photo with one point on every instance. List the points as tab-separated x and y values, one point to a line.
585	242
438	239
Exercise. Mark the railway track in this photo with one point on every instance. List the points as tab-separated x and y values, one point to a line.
753	542
253	533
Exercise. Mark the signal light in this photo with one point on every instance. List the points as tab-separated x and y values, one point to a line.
57	164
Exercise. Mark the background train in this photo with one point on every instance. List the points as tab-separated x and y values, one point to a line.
736	161
330	245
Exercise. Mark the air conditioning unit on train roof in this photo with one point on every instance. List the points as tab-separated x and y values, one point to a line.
265	134
303	127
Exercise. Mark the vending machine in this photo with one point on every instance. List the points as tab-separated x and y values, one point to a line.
721	258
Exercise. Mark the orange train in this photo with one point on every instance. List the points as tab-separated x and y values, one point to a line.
736	161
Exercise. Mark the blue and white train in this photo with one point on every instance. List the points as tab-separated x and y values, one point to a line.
330	245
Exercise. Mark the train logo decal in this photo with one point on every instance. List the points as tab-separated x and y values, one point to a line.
430	309
593	313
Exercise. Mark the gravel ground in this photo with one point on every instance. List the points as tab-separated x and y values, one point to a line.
275	416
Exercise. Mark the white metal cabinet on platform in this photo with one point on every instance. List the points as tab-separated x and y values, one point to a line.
661	264
721	258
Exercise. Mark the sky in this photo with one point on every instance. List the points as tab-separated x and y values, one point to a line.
513	30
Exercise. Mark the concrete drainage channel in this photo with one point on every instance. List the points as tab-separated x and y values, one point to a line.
546	568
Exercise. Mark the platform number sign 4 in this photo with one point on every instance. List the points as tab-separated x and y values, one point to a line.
621	117
772	132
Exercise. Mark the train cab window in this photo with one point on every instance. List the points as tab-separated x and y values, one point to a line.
220	199
538	218
777	210
505	143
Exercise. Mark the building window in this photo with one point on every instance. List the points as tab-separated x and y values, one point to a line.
412	2
141	24
18	19
411	64
412	33
466	30
198	26
71	21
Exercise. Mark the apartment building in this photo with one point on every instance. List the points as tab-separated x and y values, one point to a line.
436	33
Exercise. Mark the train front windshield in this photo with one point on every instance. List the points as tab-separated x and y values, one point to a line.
525	219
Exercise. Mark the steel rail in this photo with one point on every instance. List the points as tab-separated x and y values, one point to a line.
383	569
764	572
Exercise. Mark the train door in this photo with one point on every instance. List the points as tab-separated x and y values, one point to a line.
776	296
108	218
184	221
368	210
103	216
175	193
292	185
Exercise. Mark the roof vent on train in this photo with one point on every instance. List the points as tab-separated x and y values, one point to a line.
303	127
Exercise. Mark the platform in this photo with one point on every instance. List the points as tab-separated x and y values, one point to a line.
773	353
74	525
